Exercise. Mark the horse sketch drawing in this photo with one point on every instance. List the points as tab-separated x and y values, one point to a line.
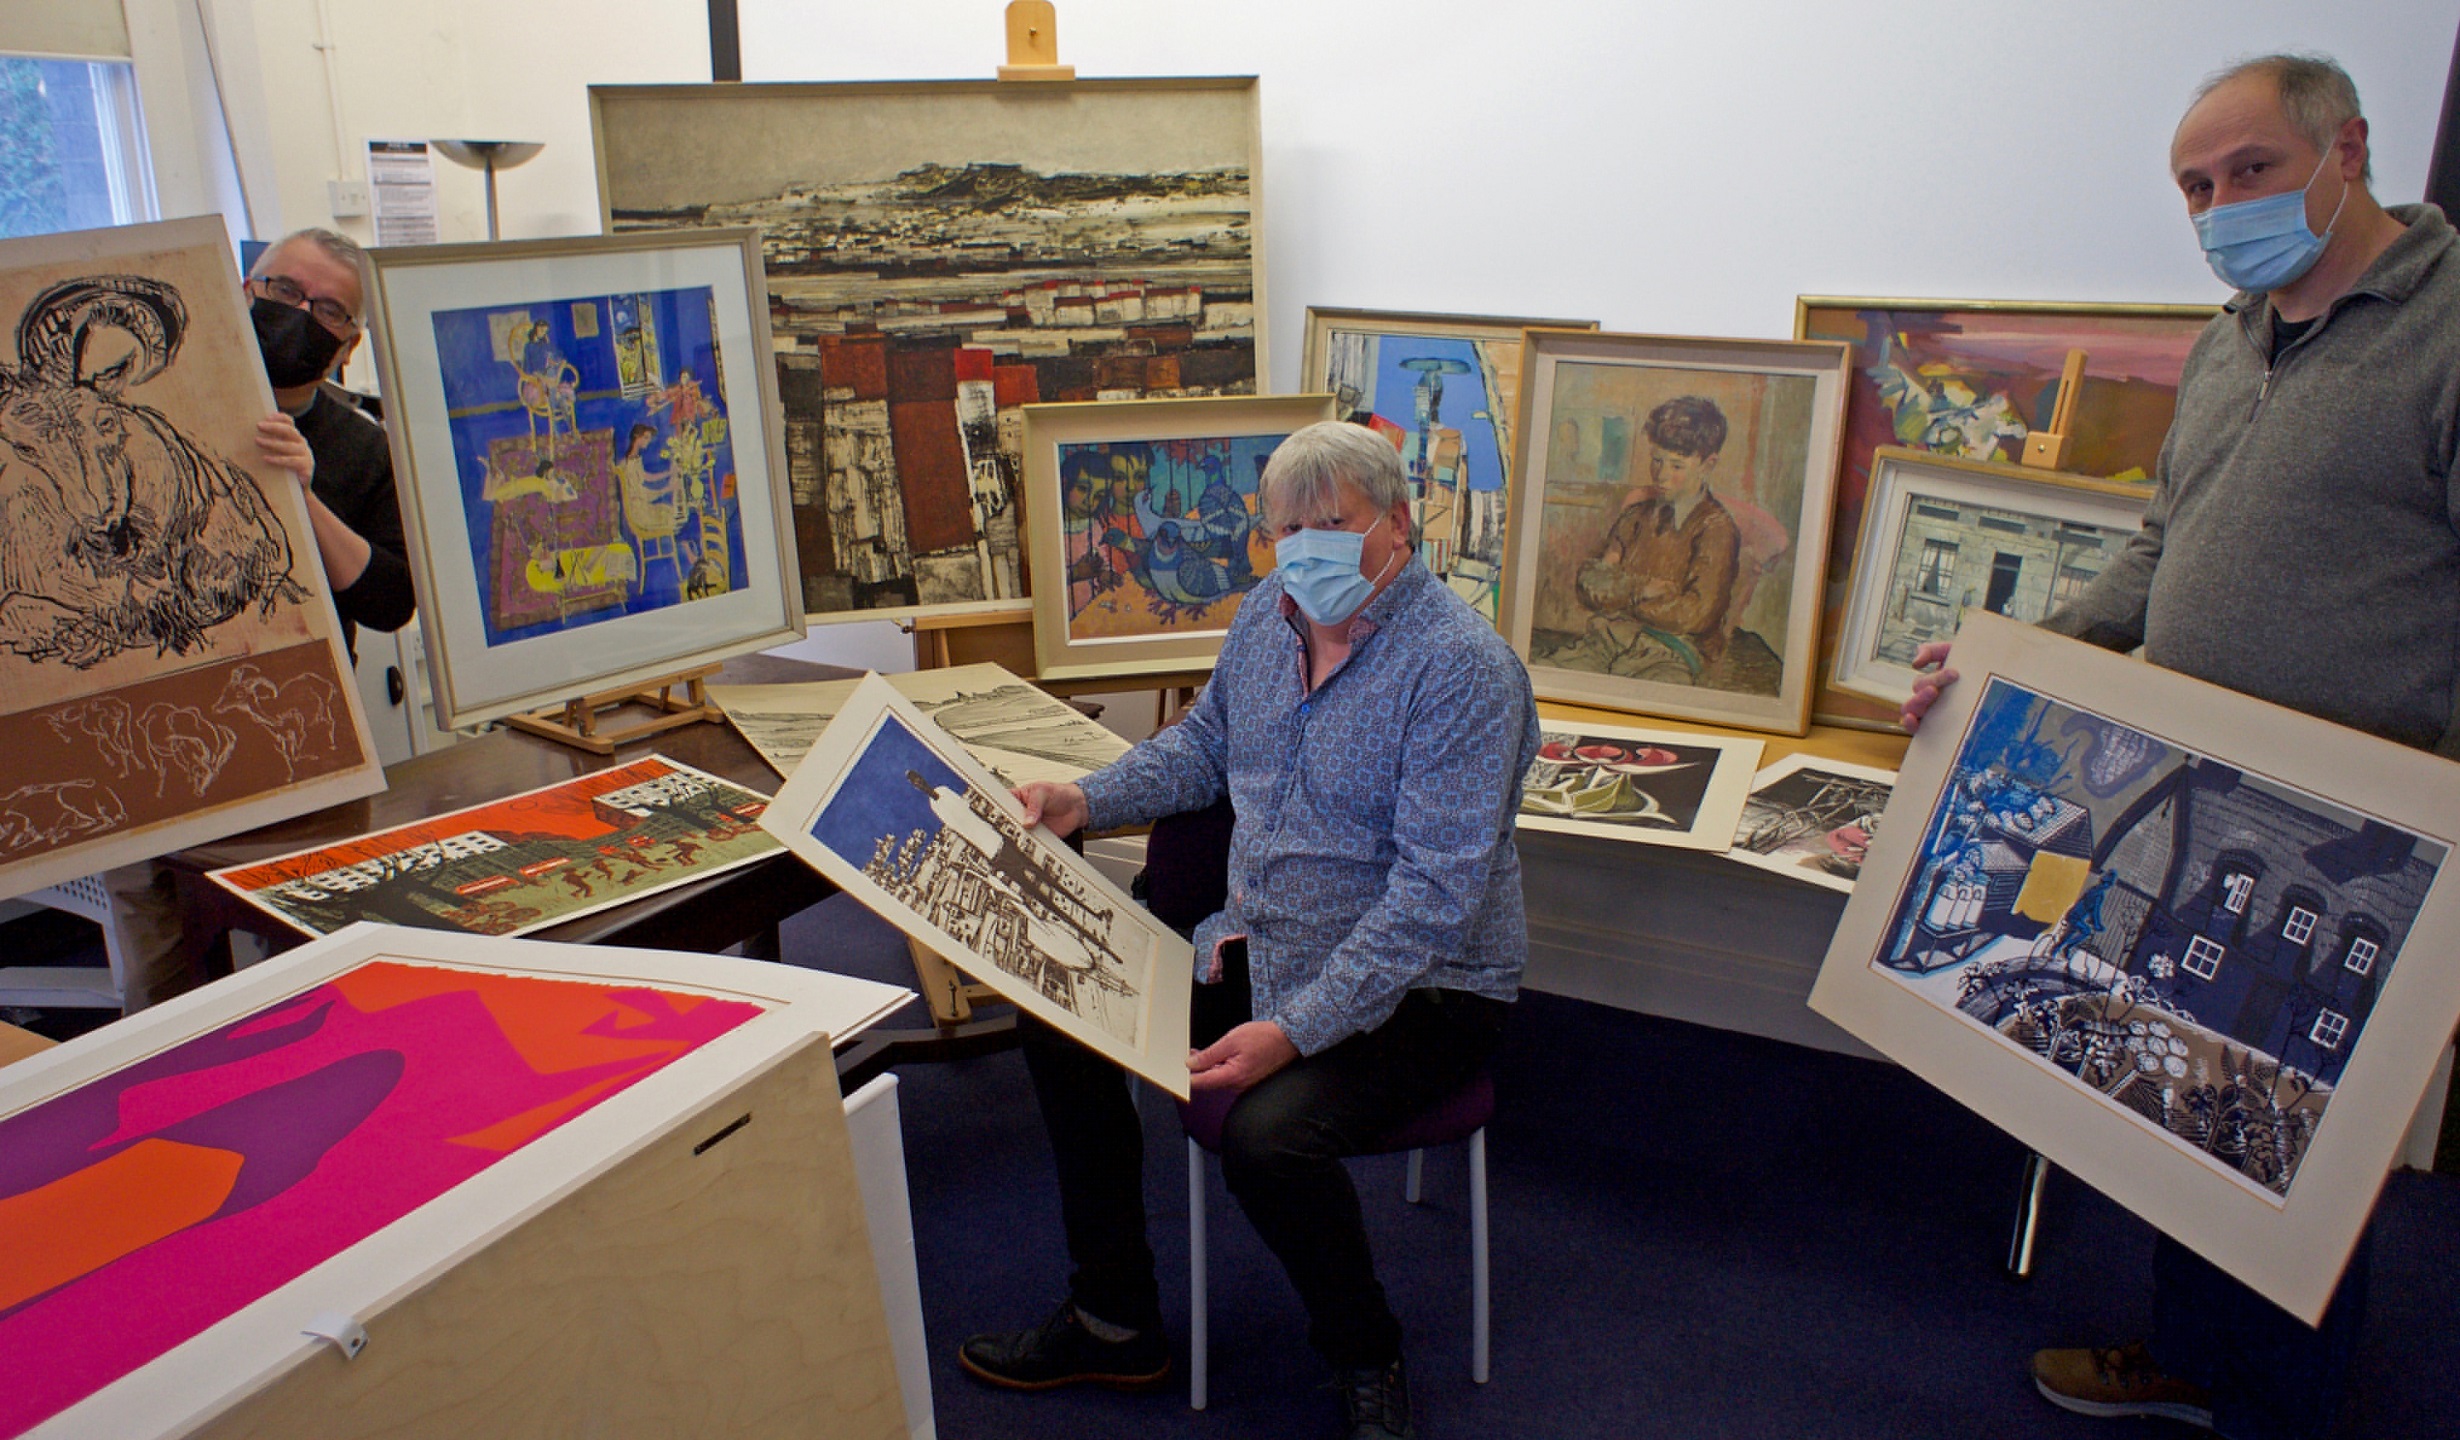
46	815
292	712
164	740
117	531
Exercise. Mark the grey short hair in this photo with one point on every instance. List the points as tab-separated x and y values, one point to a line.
333	242
1309	469
2317	96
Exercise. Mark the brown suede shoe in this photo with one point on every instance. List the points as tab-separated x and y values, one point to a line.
2115	1382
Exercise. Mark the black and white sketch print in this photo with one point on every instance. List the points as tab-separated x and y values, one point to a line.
117	531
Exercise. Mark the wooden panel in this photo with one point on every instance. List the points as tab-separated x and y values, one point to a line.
729	1292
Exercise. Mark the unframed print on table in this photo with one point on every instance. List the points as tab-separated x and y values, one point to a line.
1811	818
897	814
524	862
1020	733
187	1189
2181	942
1650	787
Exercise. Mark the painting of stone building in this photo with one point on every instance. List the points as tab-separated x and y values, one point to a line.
2198	943
1954	557
939	255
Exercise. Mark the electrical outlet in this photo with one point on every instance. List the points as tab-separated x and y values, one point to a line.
348	197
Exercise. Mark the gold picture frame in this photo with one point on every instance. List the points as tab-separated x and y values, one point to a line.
2008	354
1649	579
1458	456
1143	534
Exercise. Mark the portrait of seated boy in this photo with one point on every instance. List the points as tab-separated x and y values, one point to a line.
1662	591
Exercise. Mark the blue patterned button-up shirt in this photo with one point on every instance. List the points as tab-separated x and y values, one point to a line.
1373	848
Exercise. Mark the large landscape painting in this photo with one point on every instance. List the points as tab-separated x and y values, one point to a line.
940	255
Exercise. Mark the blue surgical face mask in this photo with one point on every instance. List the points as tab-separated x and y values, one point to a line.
1319	570
2265	244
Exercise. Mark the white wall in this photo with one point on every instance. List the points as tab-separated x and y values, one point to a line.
1681	168
1690	168
461	69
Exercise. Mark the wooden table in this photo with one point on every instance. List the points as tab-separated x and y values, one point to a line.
742	906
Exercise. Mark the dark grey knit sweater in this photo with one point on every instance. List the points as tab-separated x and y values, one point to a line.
2303	542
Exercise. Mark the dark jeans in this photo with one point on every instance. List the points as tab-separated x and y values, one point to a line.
2271	1376
1281	1154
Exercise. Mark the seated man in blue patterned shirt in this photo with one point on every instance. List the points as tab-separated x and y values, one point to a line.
1371	732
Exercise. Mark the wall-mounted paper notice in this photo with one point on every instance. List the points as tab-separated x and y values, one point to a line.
401	184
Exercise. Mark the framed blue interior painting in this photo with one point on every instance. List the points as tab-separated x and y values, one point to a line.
591	473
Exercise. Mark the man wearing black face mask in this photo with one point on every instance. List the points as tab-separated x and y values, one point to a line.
304	298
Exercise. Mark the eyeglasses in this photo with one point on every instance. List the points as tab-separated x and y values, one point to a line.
329	313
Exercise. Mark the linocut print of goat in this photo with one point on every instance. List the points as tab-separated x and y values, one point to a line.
118	532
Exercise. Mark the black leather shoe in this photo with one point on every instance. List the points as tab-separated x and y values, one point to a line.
1061	1351
1376	1402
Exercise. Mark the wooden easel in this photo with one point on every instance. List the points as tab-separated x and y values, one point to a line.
2048	447
576	722
1033	43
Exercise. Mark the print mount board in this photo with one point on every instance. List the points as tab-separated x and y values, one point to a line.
2229	915
171	665
1021	732
206	1311
593	478
897	814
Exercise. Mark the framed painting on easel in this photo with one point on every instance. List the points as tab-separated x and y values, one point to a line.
592	480
941	254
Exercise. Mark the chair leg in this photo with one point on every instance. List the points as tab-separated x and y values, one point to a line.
1197	1352
1478	1288
1417	1173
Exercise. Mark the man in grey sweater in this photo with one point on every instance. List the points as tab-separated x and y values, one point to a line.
2302	546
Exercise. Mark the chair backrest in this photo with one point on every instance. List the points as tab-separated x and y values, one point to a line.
1187	866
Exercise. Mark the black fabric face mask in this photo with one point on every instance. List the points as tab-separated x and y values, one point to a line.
297	350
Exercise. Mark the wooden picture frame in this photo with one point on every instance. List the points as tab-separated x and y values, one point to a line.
172	669
1455	448
896	813
1991	370
554	555
1103	481
1108	245
1678	788
415	1201
1941	536
1698	608
2187	945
